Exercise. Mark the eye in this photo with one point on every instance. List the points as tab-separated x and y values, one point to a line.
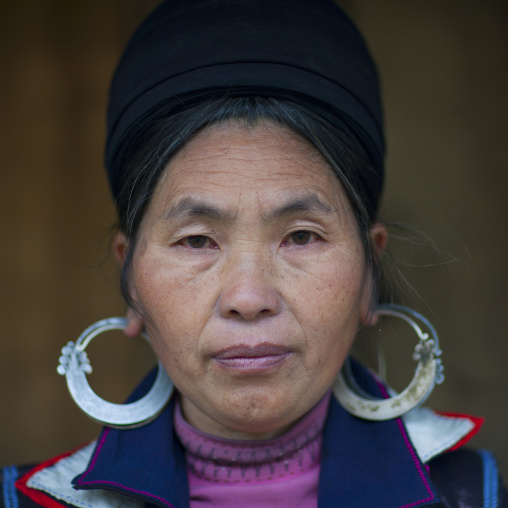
198	242
301	238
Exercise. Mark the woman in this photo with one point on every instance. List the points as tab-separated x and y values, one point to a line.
245	155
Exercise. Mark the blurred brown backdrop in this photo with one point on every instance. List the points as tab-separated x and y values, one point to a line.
445	81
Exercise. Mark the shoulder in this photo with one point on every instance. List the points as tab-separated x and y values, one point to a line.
467	478
464	478
49	485
10	497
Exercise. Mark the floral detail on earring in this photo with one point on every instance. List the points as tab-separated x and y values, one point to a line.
423	352
70	351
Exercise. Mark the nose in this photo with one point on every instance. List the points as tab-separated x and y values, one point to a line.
248	293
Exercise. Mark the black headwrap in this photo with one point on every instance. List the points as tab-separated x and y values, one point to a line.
192	50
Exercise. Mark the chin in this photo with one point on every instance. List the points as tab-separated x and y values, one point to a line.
263	414
257	427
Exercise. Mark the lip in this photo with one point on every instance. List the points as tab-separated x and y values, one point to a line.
252	358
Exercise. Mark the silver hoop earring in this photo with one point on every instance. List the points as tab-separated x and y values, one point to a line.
74	364
429	372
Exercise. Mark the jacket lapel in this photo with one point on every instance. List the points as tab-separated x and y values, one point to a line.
366	463
363	463
147	462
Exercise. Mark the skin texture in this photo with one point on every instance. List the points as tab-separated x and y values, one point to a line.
251	278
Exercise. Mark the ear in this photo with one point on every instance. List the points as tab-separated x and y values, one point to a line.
378	236
120	247
136	323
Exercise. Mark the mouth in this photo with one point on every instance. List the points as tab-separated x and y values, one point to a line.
252	358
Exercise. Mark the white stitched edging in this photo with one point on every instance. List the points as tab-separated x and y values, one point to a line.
56	481
432	433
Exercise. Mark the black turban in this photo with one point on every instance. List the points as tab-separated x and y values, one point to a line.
198	49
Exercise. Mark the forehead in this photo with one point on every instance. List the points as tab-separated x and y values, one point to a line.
236	163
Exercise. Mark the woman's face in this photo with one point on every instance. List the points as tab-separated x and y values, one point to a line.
252	279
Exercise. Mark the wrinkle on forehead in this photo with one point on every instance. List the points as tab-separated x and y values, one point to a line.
267	156
292	146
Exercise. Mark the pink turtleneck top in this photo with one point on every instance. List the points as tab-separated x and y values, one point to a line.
277	473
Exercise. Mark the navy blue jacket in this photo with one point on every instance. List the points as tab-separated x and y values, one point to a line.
363	464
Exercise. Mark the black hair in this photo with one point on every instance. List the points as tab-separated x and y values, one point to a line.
146	158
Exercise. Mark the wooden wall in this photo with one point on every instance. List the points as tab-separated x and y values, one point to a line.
443	68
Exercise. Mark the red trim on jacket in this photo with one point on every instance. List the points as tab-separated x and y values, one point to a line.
42	498
477	421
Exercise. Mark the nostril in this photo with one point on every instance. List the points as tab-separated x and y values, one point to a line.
248	299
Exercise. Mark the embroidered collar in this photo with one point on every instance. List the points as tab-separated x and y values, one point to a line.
375	462
357	466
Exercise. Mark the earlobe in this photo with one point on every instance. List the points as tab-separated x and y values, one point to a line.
135	325
120	247
369	317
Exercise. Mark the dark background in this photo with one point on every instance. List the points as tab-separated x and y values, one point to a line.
444	72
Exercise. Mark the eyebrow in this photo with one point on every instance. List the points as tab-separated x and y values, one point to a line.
191	208
306	203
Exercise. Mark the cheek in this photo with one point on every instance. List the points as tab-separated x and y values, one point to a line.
163	284
333	290
172	302
330	312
